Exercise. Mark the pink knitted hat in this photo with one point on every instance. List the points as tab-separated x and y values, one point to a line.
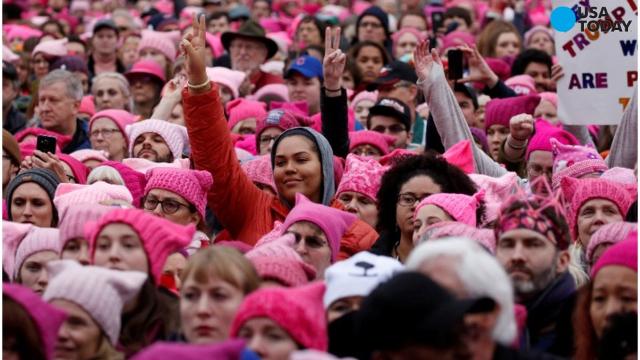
550	97
227	77
192	185
298	311
174	135
333	222
99	291
500	67
12	234
260	172
611	233
90	154
460	207
536	29
522	84
621	175
121	118
495	191
579	191
15	31
362	175
457	38
575	161
133	180
540	141
624	253
279	90
159	237
68	194
445	229
146	67
51	48
297	107
80	171
61	140
281	119
461	155
408	30
45	317
74	217
87	106
364	95
278	261
143	165
500	111
242	109
373	138
227	350
158	41
36	240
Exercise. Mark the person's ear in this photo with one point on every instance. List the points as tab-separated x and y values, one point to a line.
564	258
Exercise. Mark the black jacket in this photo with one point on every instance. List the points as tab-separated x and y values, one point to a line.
335	122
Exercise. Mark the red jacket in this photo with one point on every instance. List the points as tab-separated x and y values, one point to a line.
245	211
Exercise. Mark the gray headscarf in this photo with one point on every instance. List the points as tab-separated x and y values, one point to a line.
326	160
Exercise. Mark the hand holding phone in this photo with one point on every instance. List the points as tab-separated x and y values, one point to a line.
456	65
46	144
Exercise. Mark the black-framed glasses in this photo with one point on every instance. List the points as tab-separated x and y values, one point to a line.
168	206
410	199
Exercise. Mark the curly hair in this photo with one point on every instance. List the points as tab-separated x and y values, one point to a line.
450	178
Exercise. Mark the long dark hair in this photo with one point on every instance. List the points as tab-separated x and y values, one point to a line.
18	324
584	333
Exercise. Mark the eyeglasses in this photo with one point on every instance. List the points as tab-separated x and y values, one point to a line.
168	206
410	199
394	129
265	139
313	242
371	25
106	133
537	170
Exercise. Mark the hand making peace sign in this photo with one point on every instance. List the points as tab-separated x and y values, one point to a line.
193	48
334	60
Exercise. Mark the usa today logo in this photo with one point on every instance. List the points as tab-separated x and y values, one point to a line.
590	18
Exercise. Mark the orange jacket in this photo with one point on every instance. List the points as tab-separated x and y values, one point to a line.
245	211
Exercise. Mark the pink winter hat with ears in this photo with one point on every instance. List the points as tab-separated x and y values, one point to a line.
333	222
500	111
12	233
133	180
259	171
299	107
367	137
362	175
624	253
243	109
522	84
36	240
461	155
460	207
279	261
226	77
175	136
575	161
495	191
610	234
279	90
545	131
395	37
364	95
90	154
121	118
158	41
78	169
74	217
457	38
192	185
68	194
550	97
57	48
15	31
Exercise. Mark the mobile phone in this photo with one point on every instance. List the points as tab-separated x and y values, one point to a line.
454	57
46	144
437	20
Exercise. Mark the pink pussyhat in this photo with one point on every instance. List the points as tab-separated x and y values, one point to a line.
537	29
461	155
298	311
550	97
57	48
68	194
522	84
146	67
460	207
36	240
101	292
175	136
227	350
8	55
159	237
545	131
192	185
624	176
12	234
500	111
624	254
121	119
143	165
15	31
495	191
158	41
46	318
378	140
575	161
396	156
610	234
226	77
280	262
279	90
78	169
242	109
74	217
362	175
133	180
259	171
333	222
364	95
445	229
90	154
87	106
457	38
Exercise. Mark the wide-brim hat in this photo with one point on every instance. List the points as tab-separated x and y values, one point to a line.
250	30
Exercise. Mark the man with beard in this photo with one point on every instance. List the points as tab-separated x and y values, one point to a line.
157	140
532	240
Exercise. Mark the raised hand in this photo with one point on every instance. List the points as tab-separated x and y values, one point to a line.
423	59
478	69
193	48
334	59
521	127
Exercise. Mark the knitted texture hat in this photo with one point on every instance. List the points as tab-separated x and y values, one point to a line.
575	161
540	141
36	240
259	171
227	350
90	154
192	185
445	229
78	169
227	77
133	180
461	155
550	97
500	111
624	253
365	95
333	222
277	260
362	175
460	207
243	109
358	276
298	311
158	41
579	191
175	136
534	30
54	48
74	217
621	175
456	38
101	292
522	84
12	234
159	237
281	119
496	189
367	137
121	118
45	178
45	317
99	192
611	233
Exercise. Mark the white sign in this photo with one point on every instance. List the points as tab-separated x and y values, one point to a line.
599	58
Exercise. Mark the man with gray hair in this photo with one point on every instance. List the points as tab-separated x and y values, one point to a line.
59	96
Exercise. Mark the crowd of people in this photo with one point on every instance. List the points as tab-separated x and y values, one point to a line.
307	179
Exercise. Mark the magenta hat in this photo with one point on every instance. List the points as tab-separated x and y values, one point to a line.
227	77
90	154
281	119
45	317
146	67
243	109
299	311
36	240
68	194
333	222
297	107
259	171
611	233
500	111
159	237
158	41
133	180
80	171
279	90
74	217
278	261
87	106
57	48
457	38
367	137
550	97
496	189
362	175
575	161
624	253
226	350
500	67
192	185
460	207
544	132
536	29
522	84
175	136
408	30
121	118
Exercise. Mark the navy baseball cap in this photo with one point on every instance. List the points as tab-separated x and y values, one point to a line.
307	66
